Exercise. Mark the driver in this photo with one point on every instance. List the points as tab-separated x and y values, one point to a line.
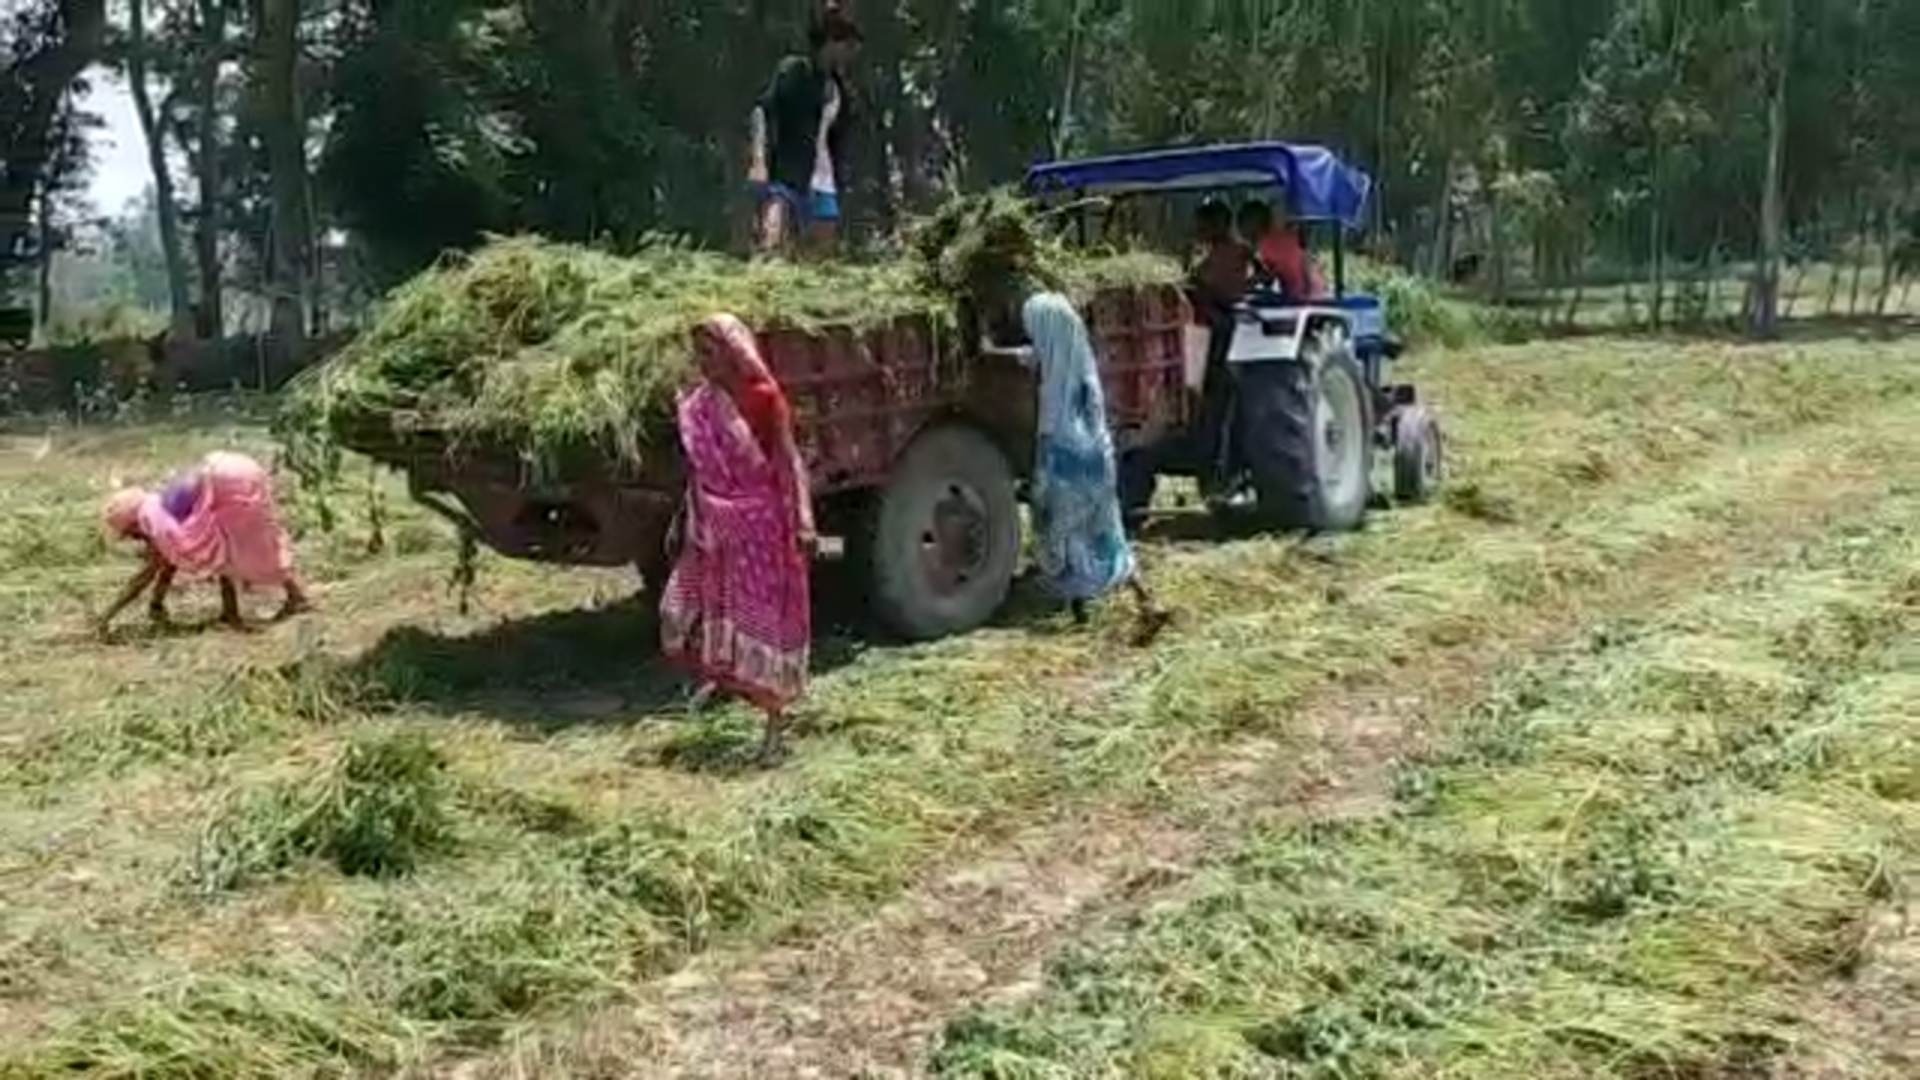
1219	280
1221	274
1281	251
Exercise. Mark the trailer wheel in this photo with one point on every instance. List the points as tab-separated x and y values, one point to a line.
944	536
653	568
1139	481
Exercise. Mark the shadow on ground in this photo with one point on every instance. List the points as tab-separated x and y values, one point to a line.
564	669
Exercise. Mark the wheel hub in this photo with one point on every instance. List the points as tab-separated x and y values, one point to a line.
953	545
1430	458
1338	418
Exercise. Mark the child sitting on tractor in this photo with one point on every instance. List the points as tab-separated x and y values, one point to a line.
1280	251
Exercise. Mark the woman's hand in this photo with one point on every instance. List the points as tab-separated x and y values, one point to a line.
1019	354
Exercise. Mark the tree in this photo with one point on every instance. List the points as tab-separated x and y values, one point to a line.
137	52
45	46
276	60
62	202
1766	301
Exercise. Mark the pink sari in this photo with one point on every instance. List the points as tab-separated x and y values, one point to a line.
232	531
736	609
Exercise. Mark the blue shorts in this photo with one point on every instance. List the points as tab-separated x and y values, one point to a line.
817	206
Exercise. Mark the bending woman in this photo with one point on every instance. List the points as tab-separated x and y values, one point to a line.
217	520
736	608
1082	548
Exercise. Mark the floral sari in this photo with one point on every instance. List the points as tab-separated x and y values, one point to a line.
736	608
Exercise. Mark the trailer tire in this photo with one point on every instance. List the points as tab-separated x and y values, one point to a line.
1139	482
1306	433
943	538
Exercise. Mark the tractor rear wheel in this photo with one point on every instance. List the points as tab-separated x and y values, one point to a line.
1306	433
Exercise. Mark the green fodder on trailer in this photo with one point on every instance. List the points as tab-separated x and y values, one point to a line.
569	358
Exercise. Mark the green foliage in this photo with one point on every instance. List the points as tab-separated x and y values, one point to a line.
115	322
377	810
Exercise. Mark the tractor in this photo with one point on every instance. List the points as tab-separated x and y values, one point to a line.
1295	392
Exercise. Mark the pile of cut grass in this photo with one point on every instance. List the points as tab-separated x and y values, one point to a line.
377	811
569	358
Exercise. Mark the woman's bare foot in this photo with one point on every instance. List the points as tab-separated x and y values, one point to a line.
773	747
293	608
703	698
1153	620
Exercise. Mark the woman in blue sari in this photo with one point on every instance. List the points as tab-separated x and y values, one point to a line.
1082	546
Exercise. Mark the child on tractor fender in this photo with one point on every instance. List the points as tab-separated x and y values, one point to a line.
1280	251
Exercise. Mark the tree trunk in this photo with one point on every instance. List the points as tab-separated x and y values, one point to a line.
1833	277
1657	240
43	306
1497	240
1766	300
276	52
1861	223
1887	240
206	159
179	299
1710	306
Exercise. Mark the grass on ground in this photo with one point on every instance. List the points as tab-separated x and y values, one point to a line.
1647	855
390	833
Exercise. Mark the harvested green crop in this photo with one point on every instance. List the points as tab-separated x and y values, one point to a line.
568	358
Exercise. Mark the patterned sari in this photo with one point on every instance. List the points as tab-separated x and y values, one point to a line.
735	609
1083	551
220	520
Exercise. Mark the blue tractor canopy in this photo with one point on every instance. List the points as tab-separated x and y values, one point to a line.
1319	187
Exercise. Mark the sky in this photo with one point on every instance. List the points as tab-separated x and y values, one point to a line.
120	151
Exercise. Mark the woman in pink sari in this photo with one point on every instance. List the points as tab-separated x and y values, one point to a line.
218	520
735	610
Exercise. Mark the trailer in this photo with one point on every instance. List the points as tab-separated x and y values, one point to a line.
917	449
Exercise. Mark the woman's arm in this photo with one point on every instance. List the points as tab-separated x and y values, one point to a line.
162	585
802	487
148	573
1019	354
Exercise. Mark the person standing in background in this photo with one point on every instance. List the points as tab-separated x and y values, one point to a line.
797	139
1281	250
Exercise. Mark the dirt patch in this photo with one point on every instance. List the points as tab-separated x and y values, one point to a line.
1878	1009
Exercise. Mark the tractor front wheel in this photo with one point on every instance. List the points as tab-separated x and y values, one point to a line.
1417	460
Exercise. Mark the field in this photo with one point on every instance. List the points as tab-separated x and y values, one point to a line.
1604	768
